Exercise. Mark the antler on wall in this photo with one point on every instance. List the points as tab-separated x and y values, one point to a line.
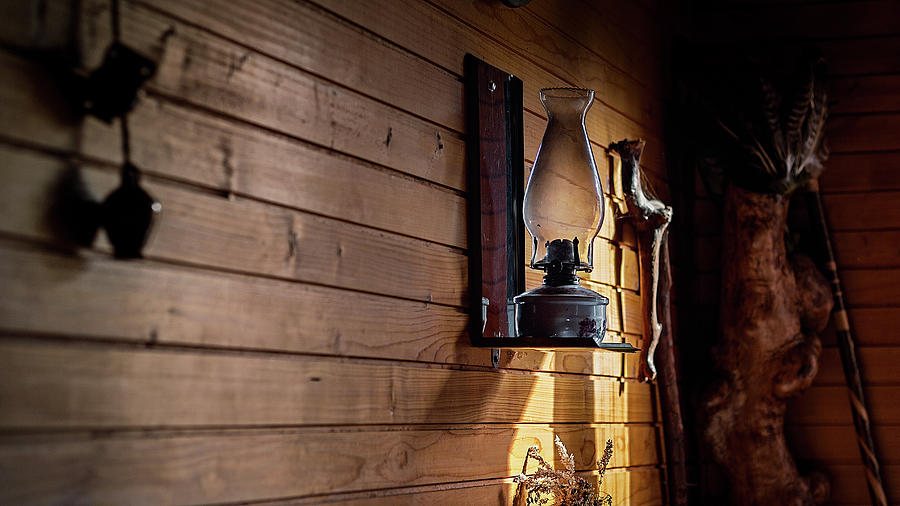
652	218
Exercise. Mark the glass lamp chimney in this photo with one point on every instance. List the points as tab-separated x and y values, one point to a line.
563	205
563	211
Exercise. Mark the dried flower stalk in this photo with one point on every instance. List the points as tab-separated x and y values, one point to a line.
563	487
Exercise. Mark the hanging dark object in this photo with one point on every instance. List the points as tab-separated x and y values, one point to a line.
110	91
128	214
74	216
128	211
848	350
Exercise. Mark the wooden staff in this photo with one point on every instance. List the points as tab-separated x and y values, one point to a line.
847	348
652	218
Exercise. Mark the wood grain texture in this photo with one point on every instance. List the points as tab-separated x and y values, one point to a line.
859	41
829	405
296	331
315	41
842	446
576	55
141	302
635	487
772	309
869	132
32	26
193	146
860	56
872	210
232	80
876	363
876	326
854	250
248	236
619	33
780	20
56	386
444	40
877	287
180	142
867	249
865	94
233	466
860	172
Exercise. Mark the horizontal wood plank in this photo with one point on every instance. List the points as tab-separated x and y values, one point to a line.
320	43
871	287
861	172
248	236
237	466
201	148
243	160
873	210
57	385
296	152
871	326
779	20
444	40
865	55
867	249
864	94
830	405
876	363
213	73
91	296
841	445
853	250
618	32
577	55
868	132
636	487
27	25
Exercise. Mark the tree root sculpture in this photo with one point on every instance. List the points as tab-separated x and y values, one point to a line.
772	307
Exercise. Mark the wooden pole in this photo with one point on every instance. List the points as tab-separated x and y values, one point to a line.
847	348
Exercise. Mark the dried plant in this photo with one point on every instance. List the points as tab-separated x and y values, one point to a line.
563	487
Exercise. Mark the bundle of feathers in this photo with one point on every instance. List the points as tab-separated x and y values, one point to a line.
770	125
563	487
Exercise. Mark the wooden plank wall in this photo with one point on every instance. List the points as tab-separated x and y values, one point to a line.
861	190
297	329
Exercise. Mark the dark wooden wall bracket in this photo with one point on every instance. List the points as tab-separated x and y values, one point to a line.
496	168
496	188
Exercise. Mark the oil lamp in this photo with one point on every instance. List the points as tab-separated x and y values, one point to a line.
562	209
563	212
